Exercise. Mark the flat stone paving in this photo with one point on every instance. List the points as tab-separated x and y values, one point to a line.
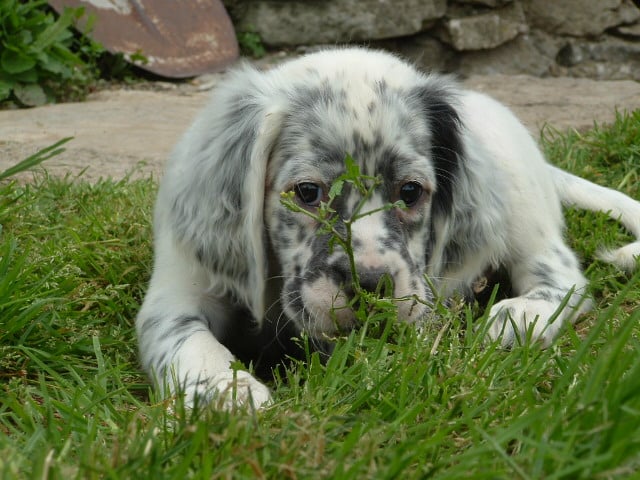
131	132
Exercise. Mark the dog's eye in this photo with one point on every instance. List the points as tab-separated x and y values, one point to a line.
410	193
309	193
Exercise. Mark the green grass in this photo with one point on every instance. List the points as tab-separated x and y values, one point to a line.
74	261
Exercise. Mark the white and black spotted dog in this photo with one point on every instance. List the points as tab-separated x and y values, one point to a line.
229	256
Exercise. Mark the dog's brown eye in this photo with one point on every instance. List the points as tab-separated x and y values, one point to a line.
410	193
309	193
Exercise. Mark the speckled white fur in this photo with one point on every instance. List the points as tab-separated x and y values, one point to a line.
218	216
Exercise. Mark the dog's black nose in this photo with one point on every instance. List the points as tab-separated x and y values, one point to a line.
370	278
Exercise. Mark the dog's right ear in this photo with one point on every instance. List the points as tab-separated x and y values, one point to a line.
213	191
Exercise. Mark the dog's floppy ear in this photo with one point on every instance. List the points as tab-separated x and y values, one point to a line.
437	99
214	185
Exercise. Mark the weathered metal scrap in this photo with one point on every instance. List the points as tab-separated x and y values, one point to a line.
176	38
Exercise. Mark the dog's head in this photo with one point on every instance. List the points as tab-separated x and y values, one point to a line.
290	129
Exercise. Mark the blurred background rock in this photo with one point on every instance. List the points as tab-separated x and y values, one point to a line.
597	39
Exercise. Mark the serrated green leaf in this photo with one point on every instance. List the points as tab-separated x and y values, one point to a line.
13	61
54	65
336	189
56	32
65	55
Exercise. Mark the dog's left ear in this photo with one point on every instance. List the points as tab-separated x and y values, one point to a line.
437	100
215	182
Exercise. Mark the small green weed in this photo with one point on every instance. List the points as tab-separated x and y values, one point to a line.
45	59
38	60
251	44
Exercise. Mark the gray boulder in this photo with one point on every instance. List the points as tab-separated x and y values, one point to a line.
579	17
300	22
607	58
483	30
533	53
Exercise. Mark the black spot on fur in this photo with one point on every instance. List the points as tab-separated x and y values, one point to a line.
286	220
548	295
159	363
381	88
185	326
150	324
317	265
362	149
302	234
446	143
564	257
281	241
324	152
544	276
324	95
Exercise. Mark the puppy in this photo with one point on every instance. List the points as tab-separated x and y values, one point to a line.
229	257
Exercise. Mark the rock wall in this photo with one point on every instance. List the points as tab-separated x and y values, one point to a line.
584	38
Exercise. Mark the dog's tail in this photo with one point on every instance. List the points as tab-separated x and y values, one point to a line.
578	192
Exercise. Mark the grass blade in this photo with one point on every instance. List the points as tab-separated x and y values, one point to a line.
35	159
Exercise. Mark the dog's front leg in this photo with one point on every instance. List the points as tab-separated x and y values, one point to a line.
544	283
178	344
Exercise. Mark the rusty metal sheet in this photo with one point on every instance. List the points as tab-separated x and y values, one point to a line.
178	38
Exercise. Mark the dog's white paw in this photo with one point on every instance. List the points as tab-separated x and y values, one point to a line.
512	319
229	390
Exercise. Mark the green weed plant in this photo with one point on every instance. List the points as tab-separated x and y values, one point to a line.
44	58
251	44
39	59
